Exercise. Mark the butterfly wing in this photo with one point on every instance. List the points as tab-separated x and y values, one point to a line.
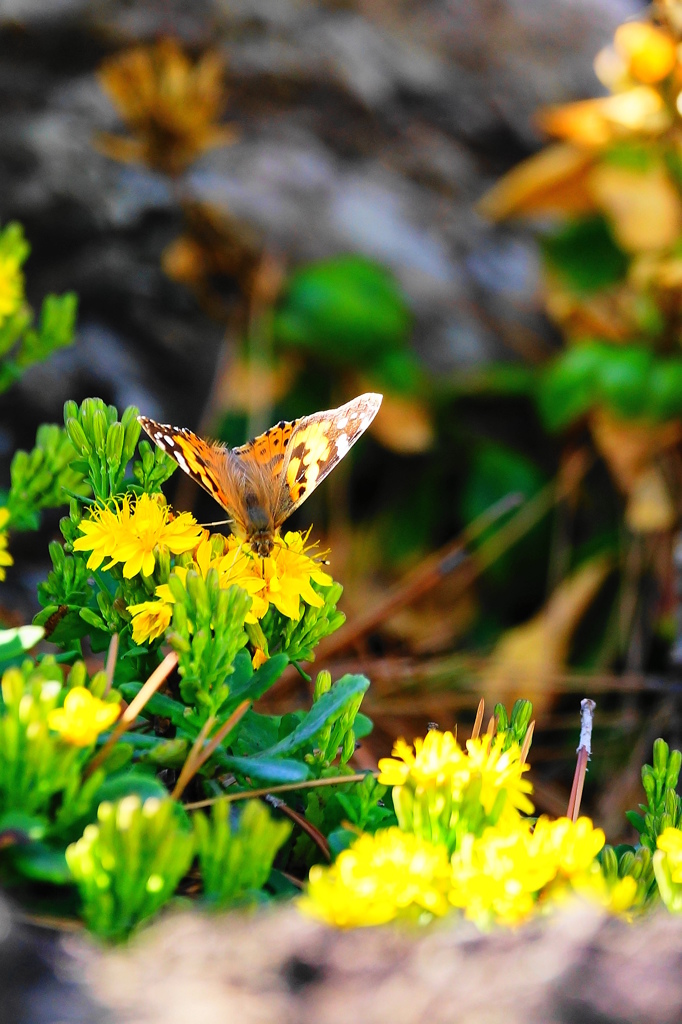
316	444
212	466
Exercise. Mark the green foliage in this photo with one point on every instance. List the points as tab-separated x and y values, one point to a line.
40	775
513	728
585	255
45	477
358	805
630	380
129	864
298	638
15	642
663	808
350	311
104	444
235	856
626	861
207	632
21	344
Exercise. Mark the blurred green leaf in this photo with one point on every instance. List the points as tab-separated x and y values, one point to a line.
344	310
585	255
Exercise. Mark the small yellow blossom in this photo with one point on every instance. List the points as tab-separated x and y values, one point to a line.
259	658
11	286
131	532
83	717
499	771
435	760
150	620
5	557
380	877
667	862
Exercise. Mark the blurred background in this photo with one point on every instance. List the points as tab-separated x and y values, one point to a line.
266	207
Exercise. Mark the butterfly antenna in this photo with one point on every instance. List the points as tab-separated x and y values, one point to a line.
219	522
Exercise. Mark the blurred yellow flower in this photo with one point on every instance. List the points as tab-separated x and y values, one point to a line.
496	878
649	53
668	868
170	105
434	761
499	876
379	878
5	557
131	533
499	772
11	285
282	579
82	718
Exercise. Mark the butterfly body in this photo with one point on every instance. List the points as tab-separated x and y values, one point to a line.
262	482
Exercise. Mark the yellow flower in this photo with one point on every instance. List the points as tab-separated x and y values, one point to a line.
496	877
379	878
670	842
11	286
617	896
131	532
438	787
170	104
436	760
574	844
82	718
5	557
499	771
150	620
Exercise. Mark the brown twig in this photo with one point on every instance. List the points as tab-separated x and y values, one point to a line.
110	666
584	750
527	740
200	759
284	788
188	769
302	823
155	681
478	721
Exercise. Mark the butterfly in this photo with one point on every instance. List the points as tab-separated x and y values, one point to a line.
262	482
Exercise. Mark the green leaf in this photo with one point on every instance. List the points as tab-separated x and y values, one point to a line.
585	255
321	713
14	642
623	379
278	771
127	783
41	863
345	310
258	683
567	388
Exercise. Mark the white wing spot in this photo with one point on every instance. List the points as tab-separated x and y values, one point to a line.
342	446
342	423
167	439
180	459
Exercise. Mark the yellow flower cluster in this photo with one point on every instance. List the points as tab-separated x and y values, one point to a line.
282	580
482	857
83	717
668	868
5	557
391	874
11	286
132	532
497	878
437	784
